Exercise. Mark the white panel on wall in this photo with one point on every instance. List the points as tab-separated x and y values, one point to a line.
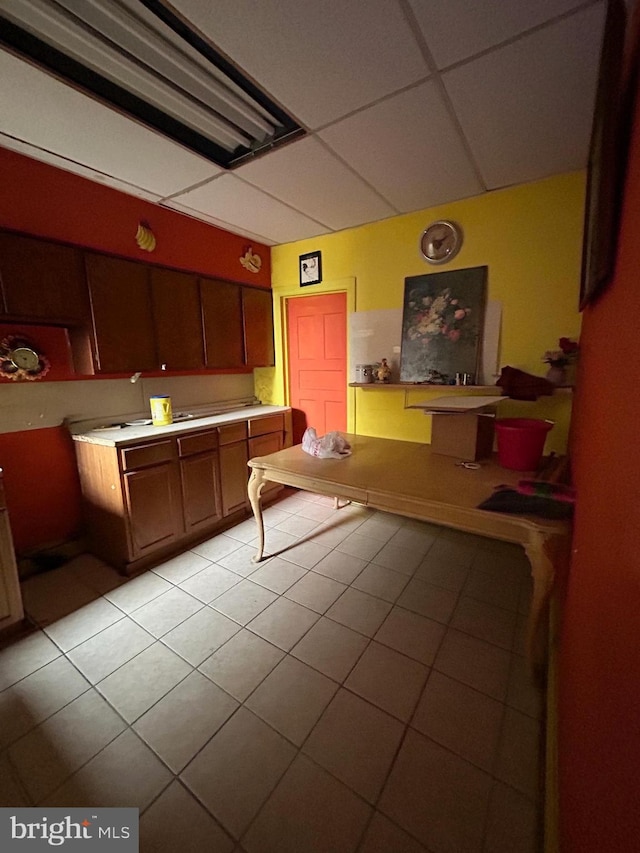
374	335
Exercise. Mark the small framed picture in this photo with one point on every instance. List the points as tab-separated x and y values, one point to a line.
310	268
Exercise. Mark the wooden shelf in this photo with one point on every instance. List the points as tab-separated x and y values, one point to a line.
424	386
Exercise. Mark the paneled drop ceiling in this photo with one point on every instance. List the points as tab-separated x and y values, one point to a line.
407	103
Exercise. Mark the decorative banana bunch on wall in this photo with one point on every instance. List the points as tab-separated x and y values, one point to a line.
250	260
145	237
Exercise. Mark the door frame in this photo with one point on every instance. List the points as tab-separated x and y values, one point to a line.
292	291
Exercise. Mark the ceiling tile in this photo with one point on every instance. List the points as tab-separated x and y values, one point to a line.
231	200
526	109
319	60
37	108
76	168
313	180
459	29
408	148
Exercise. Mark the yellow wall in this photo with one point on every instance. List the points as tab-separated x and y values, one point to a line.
530	238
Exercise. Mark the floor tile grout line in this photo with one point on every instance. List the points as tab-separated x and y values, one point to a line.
128	727
77	769
160	638
271	790
369	638
177	780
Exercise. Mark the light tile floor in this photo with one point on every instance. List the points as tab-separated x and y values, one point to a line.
363	689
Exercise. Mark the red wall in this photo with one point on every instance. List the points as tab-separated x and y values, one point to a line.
42	489
599	680
39	199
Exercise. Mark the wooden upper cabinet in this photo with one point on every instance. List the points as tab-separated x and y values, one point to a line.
42	280
257	310
222	323
122	314
177	318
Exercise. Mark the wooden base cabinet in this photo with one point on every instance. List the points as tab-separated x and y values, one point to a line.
154	508
146	501
200	479
234	472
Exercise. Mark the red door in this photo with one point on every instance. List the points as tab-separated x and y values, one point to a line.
317	345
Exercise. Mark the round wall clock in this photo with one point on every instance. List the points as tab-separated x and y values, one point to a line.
441	241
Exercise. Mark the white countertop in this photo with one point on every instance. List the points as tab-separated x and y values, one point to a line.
125	435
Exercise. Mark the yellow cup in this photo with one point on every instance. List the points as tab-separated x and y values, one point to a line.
161	414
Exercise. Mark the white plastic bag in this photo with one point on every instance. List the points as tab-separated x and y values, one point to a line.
329	446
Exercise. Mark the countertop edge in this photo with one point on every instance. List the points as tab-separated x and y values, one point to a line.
118	437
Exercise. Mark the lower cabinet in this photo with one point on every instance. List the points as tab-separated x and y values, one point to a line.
234	472
147	500
200	480
154	508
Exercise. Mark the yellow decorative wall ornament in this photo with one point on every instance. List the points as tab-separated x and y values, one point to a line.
145	237
251	261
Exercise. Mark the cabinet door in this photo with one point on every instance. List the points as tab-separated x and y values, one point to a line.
154	508
257	311
234	475
177	318
42	280
200	477
122	317
222	323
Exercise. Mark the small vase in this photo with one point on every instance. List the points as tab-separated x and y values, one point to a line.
557	375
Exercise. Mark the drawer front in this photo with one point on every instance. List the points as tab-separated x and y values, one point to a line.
265	444
232	432
190	444
146	454
262	426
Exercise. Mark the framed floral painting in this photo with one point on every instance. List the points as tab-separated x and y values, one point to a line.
442	323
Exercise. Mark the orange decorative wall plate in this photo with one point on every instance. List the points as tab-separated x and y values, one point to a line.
18	360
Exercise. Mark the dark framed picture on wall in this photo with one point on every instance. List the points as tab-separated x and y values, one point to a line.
607	158
442	324
310	268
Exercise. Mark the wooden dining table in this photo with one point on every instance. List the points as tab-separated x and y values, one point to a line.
409	479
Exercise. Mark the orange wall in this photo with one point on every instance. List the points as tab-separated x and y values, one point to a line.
39	199
599	676
43	493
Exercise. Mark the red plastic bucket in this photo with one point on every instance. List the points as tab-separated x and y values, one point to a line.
521	442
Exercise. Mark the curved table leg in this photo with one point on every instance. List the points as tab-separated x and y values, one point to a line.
542	572
256	484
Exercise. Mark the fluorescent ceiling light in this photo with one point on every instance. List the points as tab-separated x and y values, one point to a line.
141	58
